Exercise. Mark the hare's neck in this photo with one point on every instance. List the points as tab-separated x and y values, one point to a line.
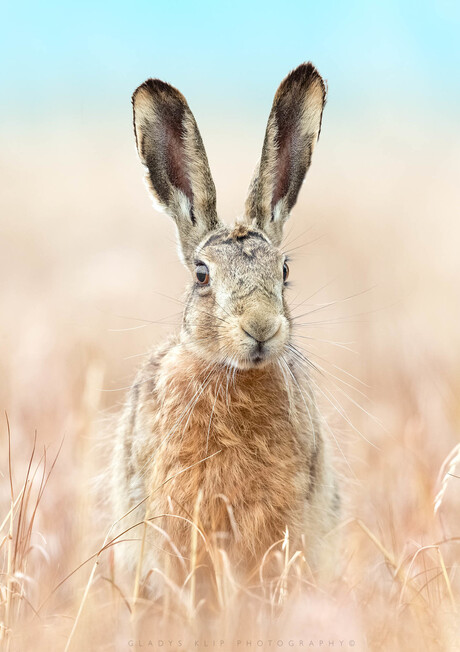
207	402
230	385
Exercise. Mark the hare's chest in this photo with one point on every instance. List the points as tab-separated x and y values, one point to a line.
244	476
236	461
260	491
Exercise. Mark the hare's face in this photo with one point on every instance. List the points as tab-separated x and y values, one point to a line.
236	312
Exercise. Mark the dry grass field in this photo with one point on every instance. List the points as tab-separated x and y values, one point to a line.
91	281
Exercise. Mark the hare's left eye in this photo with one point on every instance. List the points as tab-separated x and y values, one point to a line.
202	274
285	272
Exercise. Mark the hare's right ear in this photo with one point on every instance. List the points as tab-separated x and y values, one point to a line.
178	175
292	131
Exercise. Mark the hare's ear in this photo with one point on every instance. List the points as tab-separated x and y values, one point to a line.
292	131
178	175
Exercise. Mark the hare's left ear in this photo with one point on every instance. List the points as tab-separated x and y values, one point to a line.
293	128
178	175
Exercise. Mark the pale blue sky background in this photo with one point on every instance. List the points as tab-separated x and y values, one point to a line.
82	59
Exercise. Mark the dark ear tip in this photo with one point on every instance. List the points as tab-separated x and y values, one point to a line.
157	89
303	76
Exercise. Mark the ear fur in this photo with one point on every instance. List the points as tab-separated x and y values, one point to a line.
293	128
178	176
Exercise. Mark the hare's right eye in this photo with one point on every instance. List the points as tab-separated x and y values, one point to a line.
202	274
285	272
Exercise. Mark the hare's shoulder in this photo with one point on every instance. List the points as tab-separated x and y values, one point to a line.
143	394
136	442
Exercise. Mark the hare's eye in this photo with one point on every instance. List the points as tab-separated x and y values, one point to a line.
202	274
285	272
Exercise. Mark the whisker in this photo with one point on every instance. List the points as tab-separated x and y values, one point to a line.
130	328
360	407
137	355
335	302
304	401
347	319
194	406
339	408
184	303
222	308
182	415
287	383
119	389
227	369
340	345
285	242
323	287
210	418
188	409
149	321
304	244
334	321
193	401
324	421
326	371
342	413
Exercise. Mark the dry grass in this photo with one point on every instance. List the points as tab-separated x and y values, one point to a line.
88	266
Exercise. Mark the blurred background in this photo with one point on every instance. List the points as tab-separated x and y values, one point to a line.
90	278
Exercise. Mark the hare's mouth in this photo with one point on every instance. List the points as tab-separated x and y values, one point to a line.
259	355
258	347
249	347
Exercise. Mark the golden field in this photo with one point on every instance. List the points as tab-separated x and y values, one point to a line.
91	281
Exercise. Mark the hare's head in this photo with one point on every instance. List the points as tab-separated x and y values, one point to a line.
236	311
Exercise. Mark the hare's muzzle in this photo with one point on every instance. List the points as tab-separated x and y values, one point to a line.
261	331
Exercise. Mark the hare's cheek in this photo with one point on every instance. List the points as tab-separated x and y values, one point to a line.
283	336
204	331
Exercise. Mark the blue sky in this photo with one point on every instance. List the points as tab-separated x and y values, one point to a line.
87	57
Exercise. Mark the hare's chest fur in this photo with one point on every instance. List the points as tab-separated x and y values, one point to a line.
230	449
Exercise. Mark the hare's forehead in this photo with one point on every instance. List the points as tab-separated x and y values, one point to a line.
240	250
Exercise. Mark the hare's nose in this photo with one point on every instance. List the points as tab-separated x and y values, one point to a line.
260	327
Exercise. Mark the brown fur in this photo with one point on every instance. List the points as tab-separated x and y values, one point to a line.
268	455
221	427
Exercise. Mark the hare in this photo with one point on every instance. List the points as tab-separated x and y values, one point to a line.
220	440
